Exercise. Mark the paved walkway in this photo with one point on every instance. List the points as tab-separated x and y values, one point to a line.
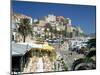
67	55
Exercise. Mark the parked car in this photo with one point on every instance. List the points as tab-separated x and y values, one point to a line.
55	41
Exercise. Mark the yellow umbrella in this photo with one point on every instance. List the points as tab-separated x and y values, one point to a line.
47	47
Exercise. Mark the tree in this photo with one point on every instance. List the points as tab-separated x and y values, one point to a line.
25	28
91	43
85	63
45	30
51	30
65	23
48	26
65	67
63	33
77	62
91	54
55	31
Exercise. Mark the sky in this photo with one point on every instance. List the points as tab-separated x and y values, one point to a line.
81	15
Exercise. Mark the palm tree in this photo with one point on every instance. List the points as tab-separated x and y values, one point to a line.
77	62
45	30
51	30
55	31
91	43
47	26
25	28
91	54
89	61
85	63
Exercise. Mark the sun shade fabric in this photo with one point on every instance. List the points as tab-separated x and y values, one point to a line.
20	49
